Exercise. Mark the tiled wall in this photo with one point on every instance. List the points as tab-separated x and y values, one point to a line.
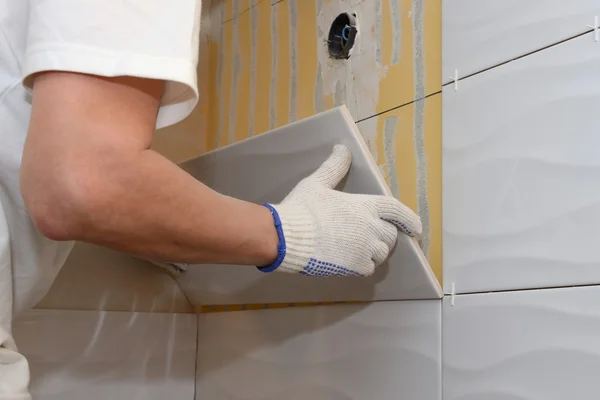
383	350
521	205
521	199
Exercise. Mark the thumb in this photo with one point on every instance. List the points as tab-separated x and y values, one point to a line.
393	211
334	169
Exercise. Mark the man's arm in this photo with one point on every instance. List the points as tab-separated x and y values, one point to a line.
88	174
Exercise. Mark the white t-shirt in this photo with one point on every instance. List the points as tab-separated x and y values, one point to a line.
146	38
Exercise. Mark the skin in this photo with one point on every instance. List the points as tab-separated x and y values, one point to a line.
88	174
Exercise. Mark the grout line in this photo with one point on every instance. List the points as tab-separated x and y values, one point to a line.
397	107
441	391
418	131
196	358
193	308
202	309
521	56
527	289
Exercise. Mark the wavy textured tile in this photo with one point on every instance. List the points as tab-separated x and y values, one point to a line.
530	345
521	173
96	278
92	355
341	352
478	34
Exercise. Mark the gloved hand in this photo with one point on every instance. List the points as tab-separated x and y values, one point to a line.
324	232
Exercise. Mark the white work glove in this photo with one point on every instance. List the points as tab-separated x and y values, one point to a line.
324	232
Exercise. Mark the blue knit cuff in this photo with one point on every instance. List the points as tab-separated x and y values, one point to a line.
281	248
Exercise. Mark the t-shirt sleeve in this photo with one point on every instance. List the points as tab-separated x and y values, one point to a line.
155	39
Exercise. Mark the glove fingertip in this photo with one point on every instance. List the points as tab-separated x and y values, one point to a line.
335	168
342	150
393	211
401	227
418	229
412	228
342	154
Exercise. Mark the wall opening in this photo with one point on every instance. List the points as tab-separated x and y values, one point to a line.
342	35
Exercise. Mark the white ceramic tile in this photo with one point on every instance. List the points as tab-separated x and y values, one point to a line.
96	278
382	351
521	173
266	168
478	34
530	345
91	355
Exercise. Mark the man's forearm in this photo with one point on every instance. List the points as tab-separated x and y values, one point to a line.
150	207
162	212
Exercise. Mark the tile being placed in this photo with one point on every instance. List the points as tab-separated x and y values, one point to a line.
478	34
267	168
92	355
383	351
521	173
528	345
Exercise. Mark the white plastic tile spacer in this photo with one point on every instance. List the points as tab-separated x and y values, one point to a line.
452	295
596	28
455	80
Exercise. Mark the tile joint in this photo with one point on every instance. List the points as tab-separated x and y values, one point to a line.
596	28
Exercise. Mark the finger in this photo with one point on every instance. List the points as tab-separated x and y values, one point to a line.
393	211
380	253
335	168
388	233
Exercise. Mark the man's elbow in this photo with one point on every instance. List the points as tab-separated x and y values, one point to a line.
59	204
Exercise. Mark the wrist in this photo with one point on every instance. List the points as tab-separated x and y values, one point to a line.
281	245
296	233
269	243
